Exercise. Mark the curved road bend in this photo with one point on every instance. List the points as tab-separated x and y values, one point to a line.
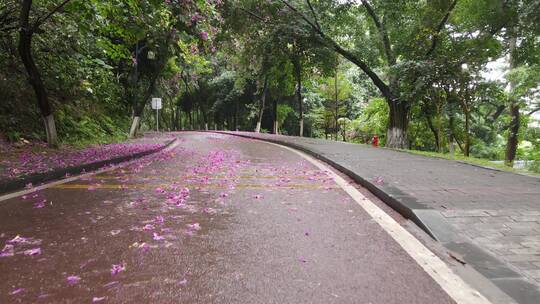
214	219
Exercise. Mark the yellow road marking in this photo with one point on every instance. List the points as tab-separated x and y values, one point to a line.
204	186
209	177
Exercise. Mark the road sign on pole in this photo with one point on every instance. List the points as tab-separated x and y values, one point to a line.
156	104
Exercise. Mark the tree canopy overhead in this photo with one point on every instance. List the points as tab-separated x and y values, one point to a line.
411	72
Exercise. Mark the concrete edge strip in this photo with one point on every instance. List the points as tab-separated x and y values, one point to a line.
443	233
17	184
4	197
438	270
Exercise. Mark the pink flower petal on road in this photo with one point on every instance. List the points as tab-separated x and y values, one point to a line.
9	250
144	247
194	226
16	291
209	210
6	254
73	279
158	237
110	284
117	268
159	219
159	190
182	282
98	299
40	204
17	240
32	252
378	180
148	227
223	195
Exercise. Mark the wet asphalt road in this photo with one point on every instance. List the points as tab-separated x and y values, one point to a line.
217	219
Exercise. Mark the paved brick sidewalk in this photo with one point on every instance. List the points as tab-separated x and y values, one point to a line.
497	212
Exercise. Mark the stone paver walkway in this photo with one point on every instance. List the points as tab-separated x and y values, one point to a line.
499	212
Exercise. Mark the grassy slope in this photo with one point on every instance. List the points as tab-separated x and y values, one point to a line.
472	160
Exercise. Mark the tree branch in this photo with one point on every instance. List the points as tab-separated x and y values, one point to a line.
252	14
40	21
314	14
377	81
534	111
439	28
382	32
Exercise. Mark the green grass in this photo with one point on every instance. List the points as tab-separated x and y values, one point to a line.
470	160
102	140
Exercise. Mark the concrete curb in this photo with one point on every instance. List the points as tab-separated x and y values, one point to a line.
19	183
434	224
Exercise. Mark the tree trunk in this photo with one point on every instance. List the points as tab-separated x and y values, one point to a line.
171	120
261	105
467	143
513	131
396	136
275	127
336	130
134	126
50	130
179	113
235	128
452	135
34	76
139	105
433	130
204	117
298	75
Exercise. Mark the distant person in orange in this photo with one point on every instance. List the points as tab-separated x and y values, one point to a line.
375	140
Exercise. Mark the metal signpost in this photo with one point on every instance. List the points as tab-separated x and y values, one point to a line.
156	104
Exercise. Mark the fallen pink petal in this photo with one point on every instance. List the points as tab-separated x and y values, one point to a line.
110	284
16	291
73	279
17	240
117	268
40	204
194	226
158	237
148	227
159	219
32	252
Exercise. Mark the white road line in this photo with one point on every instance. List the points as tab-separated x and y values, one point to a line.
451	283
70	179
